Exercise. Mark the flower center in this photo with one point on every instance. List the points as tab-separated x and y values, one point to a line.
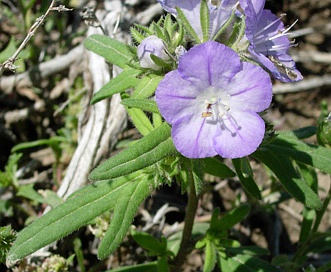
216	107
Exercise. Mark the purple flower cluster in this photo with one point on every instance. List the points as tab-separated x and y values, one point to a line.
213	99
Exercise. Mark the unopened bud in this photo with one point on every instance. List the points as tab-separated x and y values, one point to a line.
151	45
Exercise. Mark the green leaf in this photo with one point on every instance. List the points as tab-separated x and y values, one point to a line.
187	25
305	132
143	104
320	244
147	151
307	223
127	205
29	192
288	143
137	35
282	167
246	263
150	243
204	20
125	80
112	50
247	250
210	257
233	217
10	50
146	87
148	267
80	208
324	268
215	167
140	121
247	181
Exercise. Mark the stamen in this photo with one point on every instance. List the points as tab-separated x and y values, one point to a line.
270	25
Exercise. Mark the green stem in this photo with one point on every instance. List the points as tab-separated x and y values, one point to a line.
321	212
191	209
299	257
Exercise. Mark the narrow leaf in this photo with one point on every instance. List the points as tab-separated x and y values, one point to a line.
143	104
210	258
147	267
233	217
305	132
146	87
307	223
83	206
282	167
288	143
148	242
112	50
246	263
149	150
126	208
140	121
216	168
125	80
247	181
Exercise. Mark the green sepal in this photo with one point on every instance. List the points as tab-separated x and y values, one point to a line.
247	180
147	151
112	50
136	35
160	62
204	20
135	193
78	210
125	80
187	25
143	104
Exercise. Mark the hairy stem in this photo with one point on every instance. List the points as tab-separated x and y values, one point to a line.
191	209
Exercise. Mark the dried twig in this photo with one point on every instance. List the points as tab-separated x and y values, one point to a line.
304	85
44	70
9	64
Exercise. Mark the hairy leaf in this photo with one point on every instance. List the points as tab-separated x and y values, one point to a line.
83	206
150	149
282	167
126	208
143	104
112	50
125	80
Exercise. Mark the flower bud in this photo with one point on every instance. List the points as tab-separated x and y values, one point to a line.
151	45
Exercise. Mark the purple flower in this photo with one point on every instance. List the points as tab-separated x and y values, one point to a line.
151	45
268	41
212	101
191	9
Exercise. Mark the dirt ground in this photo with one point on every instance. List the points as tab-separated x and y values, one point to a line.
290	110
